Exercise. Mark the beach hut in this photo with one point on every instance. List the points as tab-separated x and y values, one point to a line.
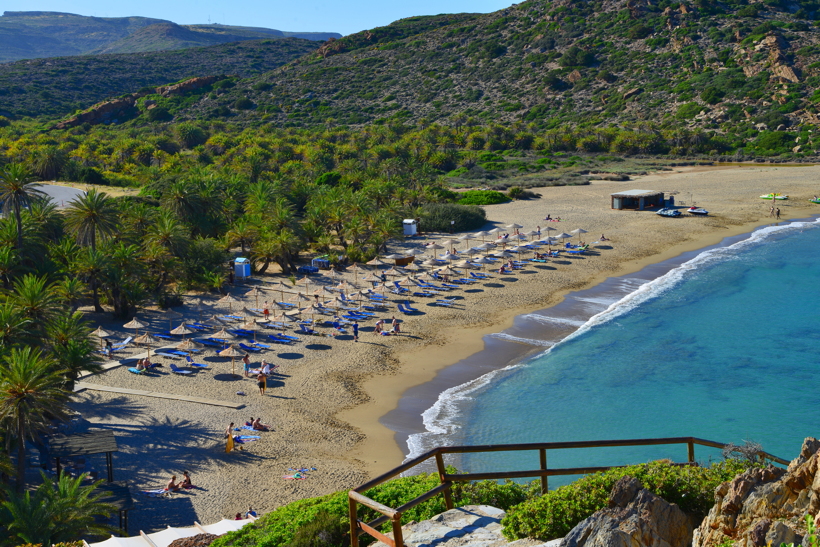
637	199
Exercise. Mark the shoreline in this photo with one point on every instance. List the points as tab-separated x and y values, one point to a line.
329	394
463	342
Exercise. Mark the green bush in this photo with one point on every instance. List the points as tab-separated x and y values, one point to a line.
576	56
325	531
281	526
436	217
556	513
243	103
482	197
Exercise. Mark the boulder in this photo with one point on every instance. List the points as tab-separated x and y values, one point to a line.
765	506
473	525
635	517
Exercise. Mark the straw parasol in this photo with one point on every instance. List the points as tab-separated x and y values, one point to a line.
355	268
255	292
464	264
148	340
562	235
299	297
549	229
182	330
200	307
223	335
495	231
100	333
513	226
413	267
187	345
481	234
135	324
171	314
371	278
465	237
333	274
251	326
228	299
578	232
430	262
393	272
233	353
395	256
447	270
376	262
433	246
481	260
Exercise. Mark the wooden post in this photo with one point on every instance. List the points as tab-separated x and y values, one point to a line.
545	485
110	464
354	522
398	539
448	498
691	451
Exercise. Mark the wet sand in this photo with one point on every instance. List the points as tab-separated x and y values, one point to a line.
327	401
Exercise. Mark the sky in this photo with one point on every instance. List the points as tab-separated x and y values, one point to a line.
302	15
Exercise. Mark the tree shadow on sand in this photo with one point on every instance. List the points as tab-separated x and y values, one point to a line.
114	408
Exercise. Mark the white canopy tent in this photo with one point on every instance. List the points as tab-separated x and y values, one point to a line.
165	537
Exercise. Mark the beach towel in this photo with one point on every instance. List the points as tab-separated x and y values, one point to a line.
156	493
302	469
242	439
295	477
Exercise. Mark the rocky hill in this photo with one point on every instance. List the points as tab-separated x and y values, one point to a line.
37	34
59	86
704	64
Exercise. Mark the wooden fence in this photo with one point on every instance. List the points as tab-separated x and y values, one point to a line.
356	496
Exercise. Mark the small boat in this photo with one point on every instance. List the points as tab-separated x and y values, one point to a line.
815	200
775	196
665	212
697	211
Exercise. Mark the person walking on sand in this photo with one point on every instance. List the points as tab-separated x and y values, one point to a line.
247	363
355	331
262	382
771	211
777	213
266	311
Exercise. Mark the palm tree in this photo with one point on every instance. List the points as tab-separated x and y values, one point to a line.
168	232
59	510
48	162
30	394
13	325
8	264
94	213
91	266
35	298
70	291
17	190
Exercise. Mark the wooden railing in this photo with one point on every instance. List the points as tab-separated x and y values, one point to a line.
356	496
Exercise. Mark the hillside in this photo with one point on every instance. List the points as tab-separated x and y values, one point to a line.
38	34
61	85
711	65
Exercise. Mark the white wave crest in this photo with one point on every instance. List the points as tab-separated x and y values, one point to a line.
549	320
440	420
530	341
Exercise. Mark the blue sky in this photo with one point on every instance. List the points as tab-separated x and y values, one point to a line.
302	15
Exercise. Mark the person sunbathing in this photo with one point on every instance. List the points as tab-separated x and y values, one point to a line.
259	426
604	238
172	484
141	365
186	481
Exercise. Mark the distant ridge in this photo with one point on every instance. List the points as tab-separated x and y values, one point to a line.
38	34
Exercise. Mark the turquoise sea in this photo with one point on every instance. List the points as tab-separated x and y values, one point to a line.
725	346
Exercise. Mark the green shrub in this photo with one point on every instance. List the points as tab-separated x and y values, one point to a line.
576	56
4	121
515	192
243	103
325	531
556	513
159	114
639	32
482	197
688	111
436	217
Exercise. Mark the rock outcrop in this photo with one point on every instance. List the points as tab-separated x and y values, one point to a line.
765	506
111	111
635	517
474	525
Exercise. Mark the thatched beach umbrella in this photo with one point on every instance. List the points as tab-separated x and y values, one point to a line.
135	324
229	300
223	335
393	272
171	314
200	307
562	235
187	345
413	267
433	246
355	268
376	262
255	292
578	232
465	237
481	234
252	326
147	340
372	278
495	231
100	333
513	226
233	353
181	330
483	261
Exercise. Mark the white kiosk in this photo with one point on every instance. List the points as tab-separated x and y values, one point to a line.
410	226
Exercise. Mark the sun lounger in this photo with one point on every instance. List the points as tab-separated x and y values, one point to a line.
135	370
407	306
165	353
249	348
197	365
121	345
176	370
480	275
445	303
260	345
306	330
164	336
423	294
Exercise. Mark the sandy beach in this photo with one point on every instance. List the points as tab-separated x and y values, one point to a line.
328	394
